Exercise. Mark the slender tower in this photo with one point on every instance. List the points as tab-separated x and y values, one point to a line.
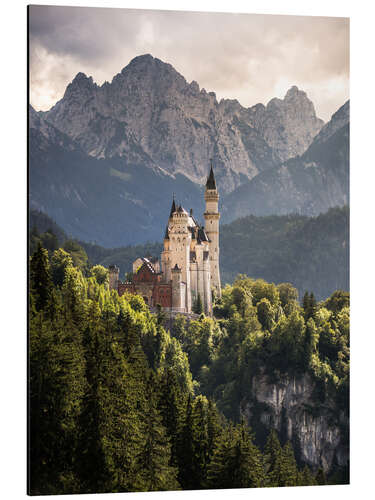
212	217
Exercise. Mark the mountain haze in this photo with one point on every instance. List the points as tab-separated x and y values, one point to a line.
308	184
150	113
107	201
105	160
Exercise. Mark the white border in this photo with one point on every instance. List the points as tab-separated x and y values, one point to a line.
13	241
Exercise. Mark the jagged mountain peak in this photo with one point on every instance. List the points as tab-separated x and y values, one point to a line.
81	79
293	97
81	84
150	110
146	63
294	92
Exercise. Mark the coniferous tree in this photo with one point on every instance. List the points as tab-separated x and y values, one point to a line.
220	470
321	477
155	472
306	477
288	472
40	279
172	404
248	461
200	442
57	385
272	454
236	461
185	450
198	305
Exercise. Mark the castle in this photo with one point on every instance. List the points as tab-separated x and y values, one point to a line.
188	273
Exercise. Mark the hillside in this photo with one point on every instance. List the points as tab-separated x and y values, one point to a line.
105	160
308	184
312	253
108	201
256	396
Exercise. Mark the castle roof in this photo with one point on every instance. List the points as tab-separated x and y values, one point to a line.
202	235
211	183
181	210
173	207
147	263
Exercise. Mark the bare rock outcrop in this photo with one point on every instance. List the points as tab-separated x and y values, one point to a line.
149	109
318	431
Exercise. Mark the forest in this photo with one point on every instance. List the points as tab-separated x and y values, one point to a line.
119	402
310	252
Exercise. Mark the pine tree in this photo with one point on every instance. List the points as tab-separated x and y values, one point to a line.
248	461
288	472
306	478
90	460
155	473
122	403
56	387
40	279
272	454
306	302
198	305
185	450
220	470
200	441
172	403
313	306
214	425
236	462
321	477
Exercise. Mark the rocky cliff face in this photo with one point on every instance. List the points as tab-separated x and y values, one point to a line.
114	201
151	114
319	432
338	120
308	184
288	125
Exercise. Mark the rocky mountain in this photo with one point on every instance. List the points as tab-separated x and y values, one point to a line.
105	160
320	433
150	115
110	201
289	125
308	184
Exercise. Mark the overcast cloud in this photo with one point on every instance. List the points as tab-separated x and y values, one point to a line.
247	57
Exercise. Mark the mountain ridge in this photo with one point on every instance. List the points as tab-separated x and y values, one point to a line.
149	106
101	179
308	184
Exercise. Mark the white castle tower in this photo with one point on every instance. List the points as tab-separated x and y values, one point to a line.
212	217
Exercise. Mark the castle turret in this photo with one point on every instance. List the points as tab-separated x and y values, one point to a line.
212	217
178	299
166	257
179	247
114	273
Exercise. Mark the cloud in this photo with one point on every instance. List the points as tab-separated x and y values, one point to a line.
248	57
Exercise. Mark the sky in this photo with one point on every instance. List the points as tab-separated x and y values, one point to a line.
248	57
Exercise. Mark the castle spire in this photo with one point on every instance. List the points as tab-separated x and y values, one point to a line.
173	207
211	183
